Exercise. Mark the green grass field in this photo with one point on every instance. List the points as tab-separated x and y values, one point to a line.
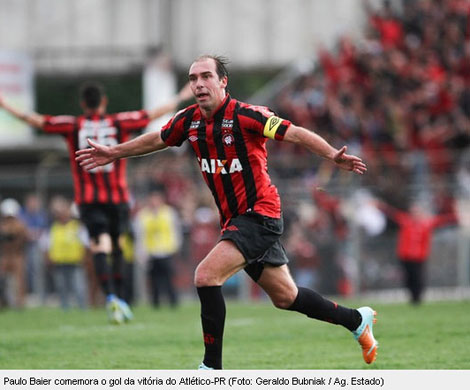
433	336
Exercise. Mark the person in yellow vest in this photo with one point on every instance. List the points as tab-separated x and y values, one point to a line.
128	254
65	247
160	232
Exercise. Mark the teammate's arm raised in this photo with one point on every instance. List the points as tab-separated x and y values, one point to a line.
183	95
98	155
33	118
318	145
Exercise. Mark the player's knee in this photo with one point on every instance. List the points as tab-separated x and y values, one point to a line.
101	243
204	278
283	300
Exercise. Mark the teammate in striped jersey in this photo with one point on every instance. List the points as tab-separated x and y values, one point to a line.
229	140
102	194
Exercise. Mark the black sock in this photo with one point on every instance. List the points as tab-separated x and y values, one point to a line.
117	285
100	260
117	268
313	305
213	322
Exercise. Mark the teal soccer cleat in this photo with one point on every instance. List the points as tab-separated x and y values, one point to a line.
126	310
113	308
363	334
202	366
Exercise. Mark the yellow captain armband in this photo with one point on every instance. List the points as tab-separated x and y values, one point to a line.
271	126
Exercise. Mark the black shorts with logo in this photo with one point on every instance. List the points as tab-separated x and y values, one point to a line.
257	238
105	218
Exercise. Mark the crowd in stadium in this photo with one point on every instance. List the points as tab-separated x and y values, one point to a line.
400	98
401	95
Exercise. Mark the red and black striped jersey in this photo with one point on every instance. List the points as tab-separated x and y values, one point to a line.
231	151
107	184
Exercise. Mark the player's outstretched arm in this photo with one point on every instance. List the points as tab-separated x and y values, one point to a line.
33	118
171	106
392	212
99	155
320	146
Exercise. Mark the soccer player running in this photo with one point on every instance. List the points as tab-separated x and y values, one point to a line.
102	193
229	140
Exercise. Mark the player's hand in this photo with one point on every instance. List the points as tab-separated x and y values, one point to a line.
96	156
349	162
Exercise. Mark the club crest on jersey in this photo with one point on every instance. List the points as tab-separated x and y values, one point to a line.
227	136
228	139
214	165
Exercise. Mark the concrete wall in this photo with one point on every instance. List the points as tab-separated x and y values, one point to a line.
114	35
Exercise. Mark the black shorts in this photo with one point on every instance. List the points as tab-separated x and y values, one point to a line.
257	238
102	218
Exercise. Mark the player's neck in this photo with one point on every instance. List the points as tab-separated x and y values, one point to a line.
209	112
94	111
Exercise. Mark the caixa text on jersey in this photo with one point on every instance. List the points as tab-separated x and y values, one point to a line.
216	166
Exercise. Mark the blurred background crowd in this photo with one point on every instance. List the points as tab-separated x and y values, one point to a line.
399	97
